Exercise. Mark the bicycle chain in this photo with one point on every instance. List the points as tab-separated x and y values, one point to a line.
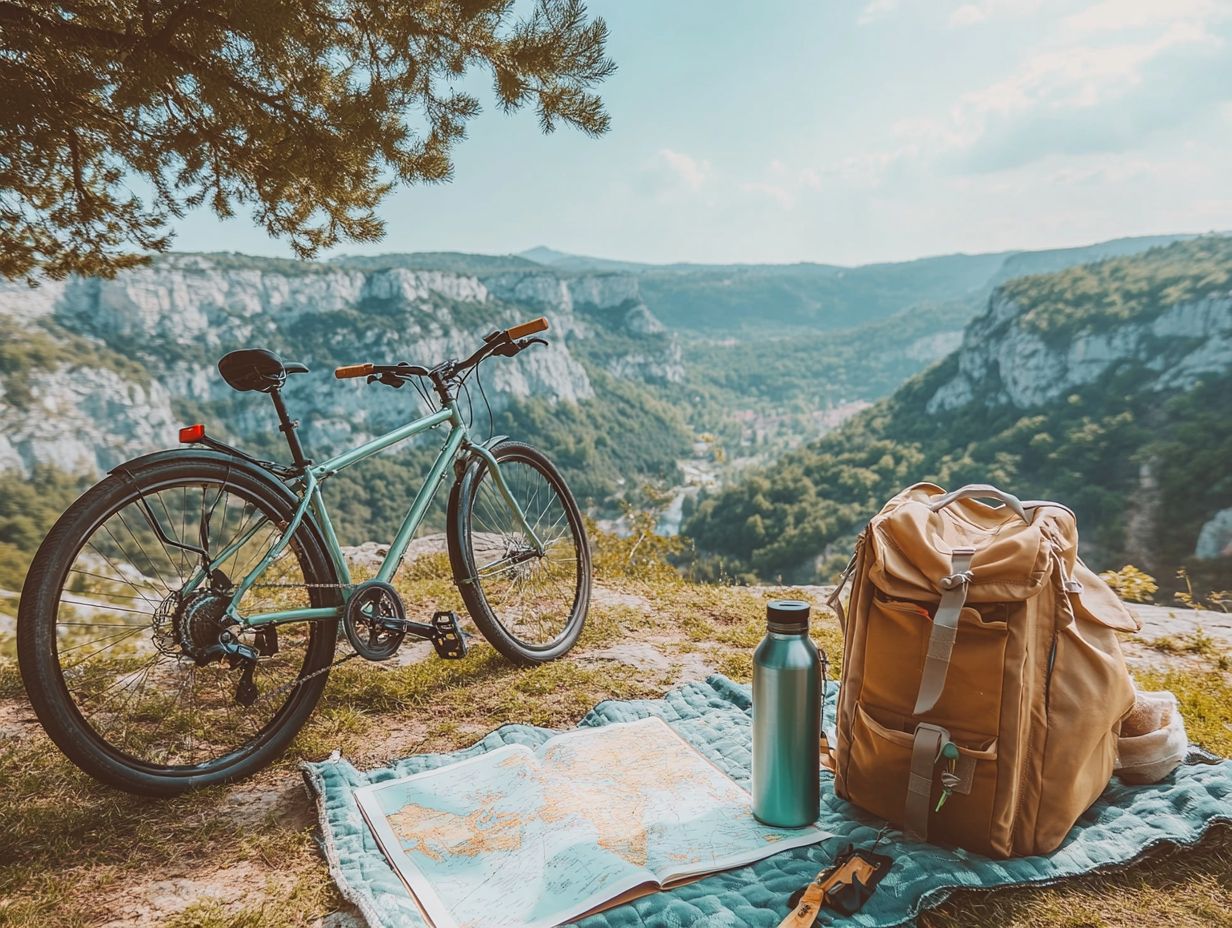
300	681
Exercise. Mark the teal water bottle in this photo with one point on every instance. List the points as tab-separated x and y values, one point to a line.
786	719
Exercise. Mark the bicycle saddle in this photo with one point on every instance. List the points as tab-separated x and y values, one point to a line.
257	369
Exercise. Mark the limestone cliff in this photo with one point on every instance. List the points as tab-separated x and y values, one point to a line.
147	342
1003	360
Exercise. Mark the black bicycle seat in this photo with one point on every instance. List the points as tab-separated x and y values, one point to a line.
257	369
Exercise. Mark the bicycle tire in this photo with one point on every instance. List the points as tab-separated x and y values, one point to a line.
477	592
37	625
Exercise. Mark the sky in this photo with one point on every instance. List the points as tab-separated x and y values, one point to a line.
847	132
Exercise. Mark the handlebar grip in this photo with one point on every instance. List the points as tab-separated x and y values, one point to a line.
354	370
527	328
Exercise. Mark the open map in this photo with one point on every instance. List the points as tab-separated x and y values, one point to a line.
517	838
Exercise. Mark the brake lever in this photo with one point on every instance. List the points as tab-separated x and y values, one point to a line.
387	378
508	351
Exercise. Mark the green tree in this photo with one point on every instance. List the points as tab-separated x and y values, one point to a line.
307	112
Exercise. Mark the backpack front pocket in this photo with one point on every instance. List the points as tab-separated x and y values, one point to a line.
897	644
880	767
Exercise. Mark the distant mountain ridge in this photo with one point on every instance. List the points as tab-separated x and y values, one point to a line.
718	299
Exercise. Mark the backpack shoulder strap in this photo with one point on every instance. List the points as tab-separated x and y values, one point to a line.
835	599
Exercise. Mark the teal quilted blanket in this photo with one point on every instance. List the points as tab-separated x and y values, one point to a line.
714	717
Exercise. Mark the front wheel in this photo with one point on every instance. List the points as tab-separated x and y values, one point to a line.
529	603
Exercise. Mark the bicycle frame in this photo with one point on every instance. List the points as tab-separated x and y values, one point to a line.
309	489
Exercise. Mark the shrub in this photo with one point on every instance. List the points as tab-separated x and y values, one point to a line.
1131	584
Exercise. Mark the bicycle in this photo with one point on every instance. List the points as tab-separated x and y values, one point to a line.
178	624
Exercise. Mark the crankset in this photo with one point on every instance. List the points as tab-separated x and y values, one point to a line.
375	623
375	620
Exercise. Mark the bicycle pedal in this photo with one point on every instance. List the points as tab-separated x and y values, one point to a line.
447	636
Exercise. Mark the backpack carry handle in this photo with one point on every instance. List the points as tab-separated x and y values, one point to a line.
974	490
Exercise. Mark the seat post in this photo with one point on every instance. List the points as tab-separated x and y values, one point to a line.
287	427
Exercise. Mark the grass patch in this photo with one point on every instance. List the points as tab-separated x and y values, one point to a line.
69	843
1197	643
279	906
1179	888
735	619
1206	705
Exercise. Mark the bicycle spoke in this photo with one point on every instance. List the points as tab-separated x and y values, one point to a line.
141	548
532	595
138	683
92	624
118	637
112	565
123	555
181	554
105	607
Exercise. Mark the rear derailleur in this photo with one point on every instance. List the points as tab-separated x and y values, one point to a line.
198	627
375	623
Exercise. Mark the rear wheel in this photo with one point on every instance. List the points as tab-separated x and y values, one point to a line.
531	606
116	654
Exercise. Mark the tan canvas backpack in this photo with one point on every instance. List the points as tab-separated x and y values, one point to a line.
983	683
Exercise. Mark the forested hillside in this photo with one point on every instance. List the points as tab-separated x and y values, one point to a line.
1105	386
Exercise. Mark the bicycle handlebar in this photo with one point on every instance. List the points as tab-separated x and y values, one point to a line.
499	342
527	328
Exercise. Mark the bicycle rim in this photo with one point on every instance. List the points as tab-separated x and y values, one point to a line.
130	644
535	598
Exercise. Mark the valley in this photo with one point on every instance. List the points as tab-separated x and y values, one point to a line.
1104	386
682	389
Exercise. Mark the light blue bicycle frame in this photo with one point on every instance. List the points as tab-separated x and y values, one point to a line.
309	491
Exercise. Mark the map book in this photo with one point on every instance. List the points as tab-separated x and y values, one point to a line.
522	838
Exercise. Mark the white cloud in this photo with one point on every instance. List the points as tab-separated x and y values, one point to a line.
980	11
874	10
776	192
1121	15
692	171
1105	81
1079	75
866	171
1077	93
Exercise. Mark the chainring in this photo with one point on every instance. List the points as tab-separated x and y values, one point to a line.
372	620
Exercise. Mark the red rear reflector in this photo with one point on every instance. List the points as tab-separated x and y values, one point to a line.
192	433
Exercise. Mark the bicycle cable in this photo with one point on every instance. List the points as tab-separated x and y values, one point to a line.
470	403
487	402
417	383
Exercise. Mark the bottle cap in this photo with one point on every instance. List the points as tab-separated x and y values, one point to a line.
787	615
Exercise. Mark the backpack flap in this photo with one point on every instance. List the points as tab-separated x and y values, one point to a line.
913	549
952	550
1098	603
1091	599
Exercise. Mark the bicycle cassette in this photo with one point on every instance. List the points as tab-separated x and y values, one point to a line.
374	620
